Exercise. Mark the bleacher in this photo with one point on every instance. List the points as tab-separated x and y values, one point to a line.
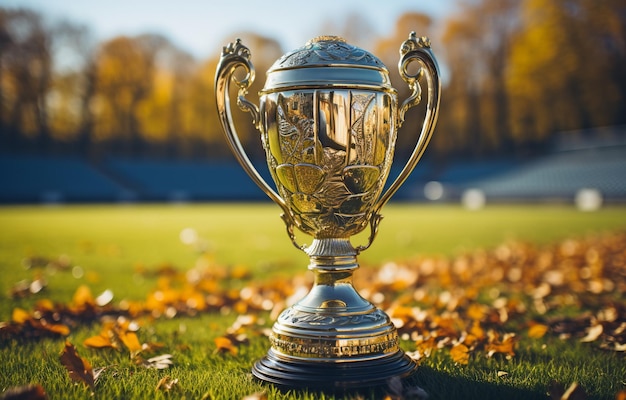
52	179
560	176
181	181
72	179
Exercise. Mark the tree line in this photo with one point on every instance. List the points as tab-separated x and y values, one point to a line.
516	72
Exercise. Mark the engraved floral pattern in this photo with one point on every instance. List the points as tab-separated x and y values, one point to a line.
324	51
330	183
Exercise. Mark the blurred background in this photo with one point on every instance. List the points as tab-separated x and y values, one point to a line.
114	101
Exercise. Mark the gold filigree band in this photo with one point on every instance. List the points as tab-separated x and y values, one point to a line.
334	348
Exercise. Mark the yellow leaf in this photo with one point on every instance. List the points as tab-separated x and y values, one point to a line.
131	341
98	342
460	354
537	331
20	316
82	297
60	329
224	345
476	312
506	346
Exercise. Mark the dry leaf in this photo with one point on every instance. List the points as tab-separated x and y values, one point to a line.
20	316
82	297
78	368
537	331
131	341
28	392
225	345
99	341
167	383
163	361
256	396
506	346
460	354
593	333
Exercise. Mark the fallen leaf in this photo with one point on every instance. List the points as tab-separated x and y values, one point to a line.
163	361
460	354
131	342
78	368
28	392
256	396
505	346
20	316
537	331
99	341
225	345
593	333
83	297
167	383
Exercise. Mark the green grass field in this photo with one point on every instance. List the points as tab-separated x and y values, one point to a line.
122	248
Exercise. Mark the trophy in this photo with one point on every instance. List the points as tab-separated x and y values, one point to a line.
328	118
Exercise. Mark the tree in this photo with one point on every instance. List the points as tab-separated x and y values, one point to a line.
477	44
25	76
566	67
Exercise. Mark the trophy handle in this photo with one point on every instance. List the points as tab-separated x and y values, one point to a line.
234	56
413	50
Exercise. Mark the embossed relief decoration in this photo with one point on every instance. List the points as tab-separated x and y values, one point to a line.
329	159
321	52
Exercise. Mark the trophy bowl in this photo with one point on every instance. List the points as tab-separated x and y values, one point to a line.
328	119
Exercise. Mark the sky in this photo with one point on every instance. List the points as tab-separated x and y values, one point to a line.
202	27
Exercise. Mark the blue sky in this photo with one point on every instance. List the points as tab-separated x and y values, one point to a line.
202	27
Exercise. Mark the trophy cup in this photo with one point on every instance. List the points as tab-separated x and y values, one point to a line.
328	119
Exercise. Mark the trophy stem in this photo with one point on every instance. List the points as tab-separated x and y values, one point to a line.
333	338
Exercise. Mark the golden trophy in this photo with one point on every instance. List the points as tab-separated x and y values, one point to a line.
328	119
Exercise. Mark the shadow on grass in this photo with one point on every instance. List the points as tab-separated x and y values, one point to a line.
441	385
425	384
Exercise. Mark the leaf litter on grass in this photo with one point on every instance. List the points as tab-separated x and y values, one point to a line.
475	304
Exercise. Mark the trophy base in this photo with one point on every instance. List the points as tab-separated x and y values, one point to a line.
332	376
333	339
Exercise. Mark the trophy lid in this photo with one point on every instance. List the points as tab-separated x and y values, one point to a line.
327	61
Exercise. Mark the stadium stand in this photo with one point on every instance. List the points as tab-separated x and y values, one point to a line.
54	179
598	166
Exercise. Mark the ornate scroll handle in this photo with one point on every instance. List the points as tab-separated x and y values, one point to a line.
234	56
416	50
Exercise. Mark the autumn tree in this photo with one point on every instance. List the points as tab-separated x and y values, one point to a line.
476	45
124	78
25	77
567	67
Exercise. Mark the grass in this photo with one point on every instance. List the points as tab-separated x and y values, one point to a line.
107	245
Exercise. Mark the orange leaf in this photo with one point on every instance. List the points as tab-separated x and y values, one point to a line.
506	346
78	368
82	297
131	341
99	341
537	331
476	312
20	316
224	345
60	329
460	354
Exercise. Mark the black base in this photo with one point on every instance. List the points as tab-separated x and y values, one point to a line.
331	375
